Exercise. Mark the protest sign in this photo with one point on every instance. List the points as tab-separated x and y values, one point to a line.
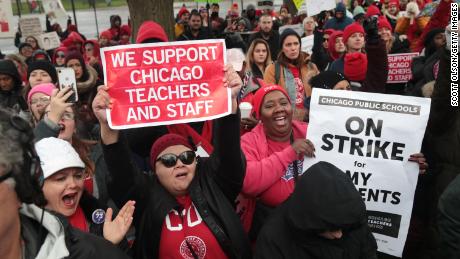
30	26
236	57
165	83
49	40
6	19
54	9
298	3
315	7
307	43
371	137
296	27
399	67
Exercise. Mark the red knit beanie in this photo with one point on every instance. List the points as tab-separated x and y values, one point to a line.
373	10
163	143
260	94
151	30
394	2
331	44
106	34
182	11
383	23
355	66
350	29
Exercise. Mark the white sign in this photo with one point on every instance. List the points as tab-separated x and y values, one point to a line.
307	43
315	7
6	19
30	26
54	9
49	40
371	137
296	27
236	57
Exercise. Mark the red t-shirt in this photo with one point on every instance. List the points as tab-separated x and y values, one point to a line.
300	90
280	191
190	227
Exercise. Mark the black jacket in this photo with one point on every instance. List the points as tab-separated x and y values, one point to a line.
273	42
12	98
79	244
203	34
217	181
319	55
324	199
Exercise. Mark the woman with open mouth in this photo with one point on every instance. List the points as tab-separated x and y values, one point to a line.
62	180
184	209
274	150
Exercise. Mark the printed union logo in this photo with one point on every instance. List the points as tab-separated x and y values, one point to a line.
98	216
195	243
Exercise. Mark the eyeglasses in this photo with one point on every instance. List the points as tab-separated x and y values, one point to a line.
42	100
67	116
170	160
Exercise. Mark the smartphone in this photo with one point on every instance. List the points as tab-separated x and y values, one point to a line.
67	79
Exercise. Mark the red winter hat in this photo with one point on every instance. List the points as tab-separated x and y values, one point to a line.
373	10
383	23
355	66
260	94
394	2
350	29
182	11
328	31
331	44
106	34
151	30
163	143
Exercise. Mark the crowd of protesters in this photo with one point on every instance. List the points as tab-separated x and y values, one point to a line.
72	187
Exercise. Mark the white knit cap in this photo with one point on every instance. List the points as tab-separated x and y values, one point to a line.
56	154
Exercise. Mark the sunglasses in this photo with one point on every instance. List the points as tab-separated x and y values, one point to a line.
60	55
324	39
170	160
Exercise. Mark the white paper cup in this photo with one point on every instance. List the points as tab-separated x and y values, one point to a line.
245	109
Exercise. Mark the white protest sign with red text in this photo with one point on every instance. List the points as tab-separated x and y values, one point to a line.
399	67
165	83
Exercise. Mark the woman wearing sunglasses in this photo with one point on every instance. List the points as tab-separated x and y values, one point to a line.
59	57
185	208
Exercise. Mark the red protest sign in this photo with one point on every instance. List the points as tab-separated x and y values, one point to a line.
165	83
399	67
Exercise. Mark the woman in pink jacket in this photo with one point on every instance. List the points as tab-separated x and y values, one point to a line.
274	151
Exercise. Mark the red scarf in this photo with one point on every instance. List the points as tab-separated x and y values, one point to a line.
78	220
204	140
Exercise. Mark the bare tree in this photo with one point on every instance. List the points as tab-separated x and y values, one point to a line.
160	11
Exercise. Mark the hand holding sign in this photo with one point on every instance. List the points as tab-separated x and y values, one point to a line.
232	80
100	103
419	158
303	147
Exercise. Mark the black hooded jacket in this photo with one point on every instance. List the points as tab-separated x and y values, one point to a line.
324	199
12	98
